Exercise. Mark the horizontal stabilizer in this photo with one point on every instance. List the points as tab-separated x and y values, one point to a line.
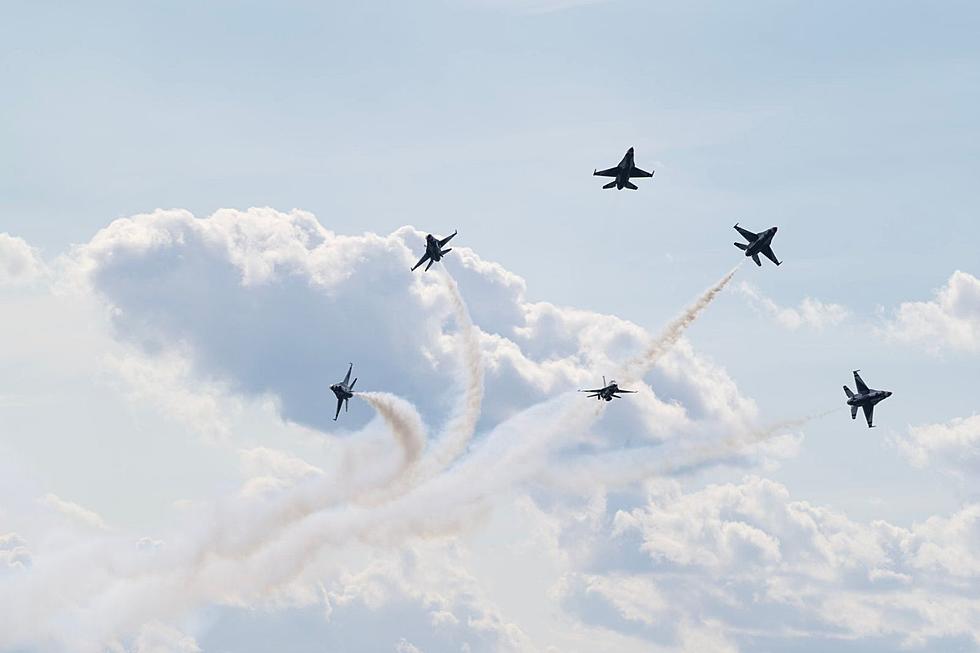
741	246
611	184
446	251
854	412
755	257
848	392
630	185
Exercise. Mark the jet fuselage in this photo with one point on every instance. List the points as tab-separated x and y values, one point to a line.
341	390
609	392
432	248
869	398
625	167
763	241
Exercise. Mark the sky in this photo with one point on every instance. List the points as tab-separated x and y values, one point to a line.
207	210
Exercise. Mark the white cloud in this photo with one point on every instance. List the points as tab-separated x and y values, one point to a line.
810	313
19	262
755	561
262	303
260	306
955	445
950	321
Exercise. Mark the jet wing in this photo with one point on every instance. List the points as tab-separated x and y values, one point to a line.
862	387
599	390
425	257
347	377
746	234
447	239
869	411
636	172
768	253
608	172
337	414
629	391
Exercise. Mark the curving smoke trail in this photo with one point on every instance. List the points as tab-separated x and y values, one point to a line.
461	426
636	368
403	420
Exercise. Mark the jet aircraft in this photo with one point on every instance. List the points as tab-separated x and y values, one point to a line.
433	250
865	398
344	391
758	244
607	392
622	173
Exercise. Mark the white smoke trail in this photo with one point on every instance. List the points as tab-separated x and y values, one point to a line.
462	423
403	421
628	466
636	368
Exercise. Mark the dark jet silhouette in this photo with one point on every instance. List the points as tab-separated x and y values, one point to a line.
865	398
758	244
607	392
344	391
433	250
622	173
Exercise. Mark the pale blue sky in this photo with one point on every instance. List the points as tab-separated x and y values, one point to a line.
851	126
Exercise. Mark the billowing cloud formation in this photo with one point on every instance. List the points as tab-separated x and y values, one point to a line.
810	313
271	304
748	556
954	445
950	321
19	263
261	307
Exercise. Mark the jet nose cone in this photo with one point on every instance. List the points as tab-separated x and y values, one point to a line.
888	394
630	150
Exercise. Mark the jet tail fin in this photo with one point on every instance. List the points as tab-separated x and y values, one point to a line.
755	257
854	412
446	251
352	384
848	392
741	246
611	184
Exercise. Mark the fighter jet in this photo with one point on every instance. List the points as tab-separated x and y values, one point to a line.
344	391
433	250
758	244
607	392
865	398
622	173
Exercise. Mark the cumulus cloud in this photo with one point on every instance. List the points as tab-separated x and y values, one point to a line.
19	262
811	313
953	445
262	306
758	564
267	304
951	321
